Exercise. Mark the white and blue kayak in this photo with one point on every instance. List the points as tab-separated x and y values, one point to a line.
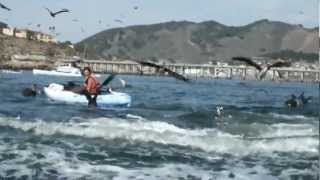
57	93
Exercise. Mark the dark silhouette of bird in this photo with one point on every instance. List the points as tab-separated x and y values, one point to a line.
303	100
53	14
52	28
262	69
4	7
27	92
135	7
294	102
163	69
118	20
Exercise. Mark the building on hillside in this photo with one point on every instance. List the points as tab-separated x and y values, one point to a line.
29	34
8	31
20	33
45	38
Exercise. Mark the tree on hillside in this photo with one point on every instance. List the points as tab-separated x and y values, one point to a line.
51	51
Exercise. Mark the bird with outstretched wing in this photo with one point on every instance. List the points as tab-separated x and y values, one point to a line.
164	69
53	14
279	64
118	21
248	61
4	7
263	70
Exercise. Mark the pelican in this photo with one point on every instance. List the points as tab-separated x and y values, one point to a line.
163	69
53	14
262	69
4	7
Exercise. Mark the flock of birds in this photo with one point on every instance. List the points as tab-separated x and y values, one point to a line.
262	69
53	14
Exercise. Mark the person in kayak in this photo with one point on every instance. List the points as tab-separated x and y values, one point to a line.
90	87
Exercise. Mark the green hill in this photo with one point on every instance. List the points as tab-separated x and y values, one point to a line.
189	42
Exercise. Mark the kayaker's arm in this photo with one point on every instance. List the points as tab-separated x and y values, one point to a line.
90	84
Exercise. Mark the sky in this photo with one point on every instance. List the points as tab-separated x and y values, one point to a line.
88	17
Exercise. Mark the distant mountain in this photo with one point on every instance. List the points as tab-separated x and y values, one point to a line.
189	42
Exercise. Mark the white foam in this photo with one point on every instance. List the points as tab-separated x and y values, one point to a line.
73	168
287	173
290	117
210	140
131	116
241	172
287	130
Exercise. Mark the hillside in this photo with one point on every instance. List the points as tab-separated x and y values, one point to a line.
189	42
10	46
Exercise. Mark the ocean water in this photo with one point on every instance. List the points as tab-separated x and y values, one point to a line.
169	132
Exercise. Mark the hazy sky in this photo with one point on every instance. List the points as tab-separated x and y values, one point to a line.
29	13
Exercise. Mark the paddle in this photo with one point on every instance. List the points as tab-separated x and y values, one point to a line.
108	80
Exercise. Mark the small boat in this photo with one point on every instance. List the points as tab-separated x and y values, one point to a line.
62	70
7	71
57	93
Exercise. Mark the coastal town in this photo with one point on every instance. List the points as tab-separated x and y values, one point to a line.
28	34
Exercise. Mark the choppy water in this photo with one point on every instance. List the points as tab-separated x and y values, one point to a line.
169	132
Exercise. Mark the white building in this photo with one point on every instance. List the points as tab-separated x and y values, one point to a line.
8	31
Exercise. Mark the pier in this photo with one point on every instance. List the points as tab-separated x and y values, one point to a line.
202	71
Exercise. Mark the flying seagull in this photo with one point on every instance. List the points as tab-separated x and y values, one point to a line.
53	14
52	28
262	69
118	20
4	7
163	69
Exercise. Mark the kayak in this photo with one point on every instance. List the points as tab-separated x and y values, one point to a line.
57	93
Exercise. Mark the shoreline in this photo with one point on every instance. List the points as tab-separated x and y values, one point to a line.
26	66
229	73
